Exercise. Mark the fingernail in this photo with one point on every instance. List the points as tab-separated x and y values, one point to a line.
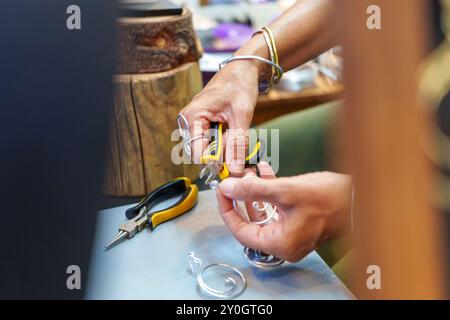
227	187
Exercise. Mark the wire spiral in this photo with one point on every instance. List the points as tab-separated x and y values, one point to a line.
234	285
256	257
272	215
183	127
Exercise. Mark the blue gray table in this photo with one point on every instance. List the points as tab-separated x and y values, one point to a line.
154	264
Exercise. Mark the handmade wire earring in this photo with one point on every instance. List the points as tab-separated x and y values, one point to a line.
262	215
228	281
183	127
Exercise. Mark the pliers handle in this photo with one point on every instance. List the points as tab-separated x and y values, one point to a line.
179	186
215	147
213	158
140	216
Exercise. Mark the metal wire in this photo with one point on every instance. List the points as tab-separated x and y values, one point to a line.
273	215
252	57
180	118
258	258
261	260
183	127
235	285
187	144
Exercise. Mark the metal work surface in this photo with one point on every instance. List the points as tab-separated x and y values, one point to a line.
154	264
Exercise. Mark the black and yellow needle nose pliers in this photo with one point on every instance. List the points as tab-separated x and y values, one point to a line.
213	159
141	216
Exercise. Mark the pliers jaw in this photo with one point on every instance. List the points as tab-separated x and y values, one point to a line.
214	171
135	225
213	160
130	228
211	172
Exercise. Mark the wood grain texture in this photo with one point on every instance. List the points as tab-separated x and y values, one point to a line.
125	174
157	99
112	182
396	226
155	44
145	112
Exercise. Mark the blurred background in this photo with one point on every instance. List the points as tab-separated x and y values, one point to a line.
87	116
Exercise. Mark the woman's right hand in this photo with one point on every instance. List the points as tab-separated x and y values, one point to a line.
301	33
229	98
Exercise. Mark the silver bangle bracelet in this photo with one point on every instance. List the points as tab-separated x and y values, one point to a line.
251	57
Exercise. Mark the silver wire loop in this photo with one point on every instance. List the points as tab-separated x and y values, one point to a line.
182	118
235	285
183	127
187	143
261	260
271	212
258	258
273	215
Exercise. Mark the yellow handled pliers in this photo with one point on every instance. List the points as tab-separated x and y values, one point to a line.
213	158
141	216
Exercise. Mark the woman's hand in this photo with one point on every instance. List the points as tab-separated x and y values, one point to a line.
301	33
229	98
312	208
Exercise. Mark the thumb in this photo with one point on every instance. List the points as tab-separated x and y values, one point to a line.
255	189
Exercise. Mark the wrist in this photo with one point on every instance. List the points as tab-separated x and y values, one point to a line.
257	47
246	69
250	71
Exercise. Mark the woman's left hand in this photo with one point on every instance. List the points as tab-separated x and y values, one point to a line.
312	208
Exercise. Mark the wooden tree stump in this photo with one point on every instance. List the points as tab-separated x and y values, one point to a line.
145	112
158	74
155	44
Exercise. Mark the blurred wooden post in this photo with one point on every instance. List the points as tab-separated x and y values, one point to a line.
145	113
388	130
157	75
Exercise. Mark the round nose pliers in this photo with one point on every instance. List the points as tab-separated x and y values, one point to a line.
142	216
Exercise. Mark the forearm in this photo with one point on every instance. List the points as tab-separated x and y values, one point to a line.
301	33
